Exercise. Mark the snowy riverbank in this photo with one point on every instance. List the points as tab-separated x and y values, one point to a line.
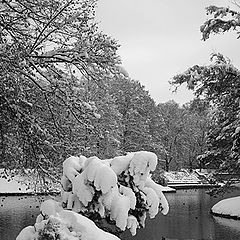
185	179
20	185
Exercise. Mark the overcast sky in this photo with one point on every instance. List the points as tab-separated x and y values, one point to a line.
161	38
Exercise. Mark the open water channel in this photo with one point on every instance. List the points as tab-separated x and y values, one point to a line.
189	218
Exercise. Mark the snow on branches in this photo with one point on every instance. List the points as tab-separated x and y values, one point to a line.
118	191
118	188
224	19
47	50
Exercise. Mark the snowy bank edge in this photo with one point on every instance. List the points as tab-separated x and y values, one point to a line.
227	208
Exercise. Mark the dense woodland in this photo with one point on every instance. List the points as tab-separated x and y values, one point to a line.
64	92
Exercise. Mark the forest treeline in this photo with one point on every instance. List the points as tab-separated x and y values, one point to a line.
63	92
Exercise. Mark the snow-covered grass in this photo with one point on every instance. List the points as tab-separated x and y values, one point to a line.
229	207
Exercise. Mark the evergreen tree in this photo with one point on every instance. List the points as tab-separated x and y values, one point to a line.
219	84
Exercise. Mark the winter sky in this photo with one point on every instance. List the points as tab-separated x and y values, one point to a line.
161	38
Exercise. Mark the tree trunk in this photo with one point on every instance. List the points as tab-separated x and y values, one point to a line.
3	149
167	166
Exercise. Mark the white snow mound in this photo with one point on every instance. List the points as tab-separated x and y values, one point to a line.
66	224
229	206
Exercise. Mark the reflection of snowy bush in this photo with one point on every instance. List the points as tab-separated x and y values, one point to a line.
117	194
118	190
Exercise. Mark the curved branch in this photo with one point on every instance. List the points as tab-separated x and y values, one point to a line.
46	26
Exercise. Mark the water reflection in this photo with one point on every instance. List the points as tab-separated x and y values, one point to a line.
228	227
16	213
189	218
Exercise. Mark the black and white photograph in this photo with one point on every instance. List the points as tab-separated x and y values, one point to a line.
119	119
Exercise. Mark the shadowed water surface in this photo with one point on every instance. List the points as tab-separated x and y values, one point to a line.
188	218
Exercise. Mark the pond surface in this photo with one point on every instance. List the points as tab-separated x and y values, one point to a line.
189	218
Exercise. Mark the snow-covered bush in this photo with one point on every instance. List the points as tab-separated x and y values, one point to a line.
118	192
55	223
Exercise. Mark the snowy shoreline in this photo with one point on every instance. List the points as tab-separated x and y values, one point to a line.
192	186
176	180
6	194
14	188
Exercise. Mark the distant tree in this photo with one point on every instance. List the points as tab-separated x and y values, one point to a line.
169	133
103	140
180	133
45	48
136	108
195	133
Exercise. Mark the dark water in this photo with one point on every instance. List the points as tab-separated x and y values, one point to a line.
188	218
17	212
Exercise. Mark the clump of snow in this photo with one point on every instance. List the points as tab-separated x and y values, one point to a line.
164	207
123	71
119	210
119	189
72	167
128	192
229	207
50	207
152	201
121	163
140	166
132	224
27	233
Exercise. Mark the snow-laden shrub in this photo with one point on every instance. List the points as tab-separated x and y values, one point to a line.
115	192
119	190
55	223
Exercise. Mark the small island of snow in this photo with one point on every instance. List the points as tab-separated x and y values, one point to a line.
229	207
